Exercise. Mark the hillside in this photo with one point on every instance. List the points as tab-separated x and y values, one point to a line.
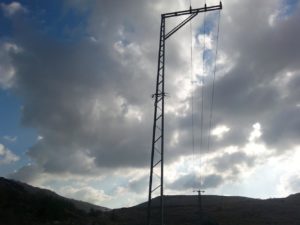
23	204
228	210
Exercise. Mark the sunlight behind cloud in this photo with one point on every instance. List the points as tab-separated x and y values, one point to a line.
256	132
219	131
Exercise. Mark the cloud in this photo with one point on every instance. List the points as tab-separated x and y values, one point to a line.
7	70
139	185
212	181
10	138
289	183
193	181
31	174
12	9
219	131
85	193
87	101
126	187
7	156
294	183
89	97
232	161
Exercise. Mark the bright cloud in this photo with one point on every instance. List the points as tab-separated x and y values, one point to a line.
220	130
256	133
7	156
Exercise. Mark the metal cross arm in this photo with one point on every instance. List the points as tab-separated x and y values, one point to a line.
199	191
192	13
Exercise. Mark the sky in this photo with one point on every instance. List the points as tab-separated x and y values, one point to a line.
76	115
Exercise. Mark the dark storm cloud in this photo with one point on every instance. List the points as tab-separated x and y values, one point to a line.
73	103
212	181
76	94
192	181
252	90
265	54
27	173
90	97
231	161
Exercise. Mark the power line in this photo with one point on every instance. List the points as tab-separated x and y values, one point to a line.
213	84
202	91
192	99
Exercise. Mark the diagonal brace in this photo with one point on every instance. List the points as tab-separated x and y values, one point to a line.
180	25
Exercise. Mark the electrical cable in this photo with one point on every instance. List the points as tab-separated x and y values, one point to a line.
192	99
222	203
213	84
202	92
